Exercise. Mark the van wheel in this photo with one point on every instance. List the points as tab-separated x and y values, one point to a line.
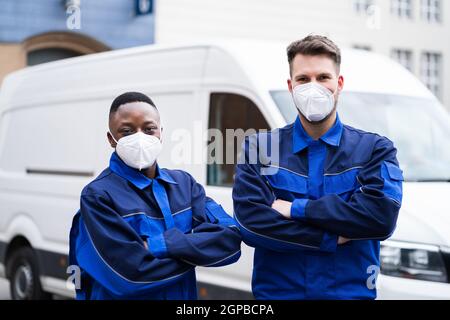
24	282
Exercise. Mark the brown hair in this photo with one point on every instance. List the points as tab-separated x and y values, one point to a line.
314	45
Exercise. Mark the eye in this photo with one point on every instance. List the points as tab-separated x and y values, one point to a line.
324	77
150	130
126	131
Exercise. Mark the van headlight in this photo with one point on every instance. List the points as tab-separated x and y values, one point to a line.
414	261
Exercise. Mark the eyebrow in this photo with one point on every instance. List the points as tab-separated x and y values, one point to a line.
125	123
131	124
320	74
150	122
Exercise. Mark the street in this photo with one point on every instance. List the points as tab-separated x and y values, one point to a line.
4	290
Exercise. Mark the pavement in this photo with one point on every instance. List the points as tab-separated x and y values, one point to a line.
4	290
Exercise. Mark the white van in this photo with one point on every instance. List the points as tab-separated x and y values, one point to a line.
53	123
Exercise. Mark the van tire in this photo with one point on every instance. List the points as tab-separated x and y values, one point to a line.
24	276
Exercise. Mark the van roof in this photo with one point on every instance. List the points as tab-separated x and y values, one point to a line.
363	71
263	63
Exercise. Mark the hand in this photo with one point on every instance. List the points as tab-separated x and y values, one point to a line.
342	240
145	245
283	208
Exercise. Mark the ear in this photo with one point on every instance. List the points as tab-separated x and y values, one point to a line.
161	135
289	83
340	83
111	140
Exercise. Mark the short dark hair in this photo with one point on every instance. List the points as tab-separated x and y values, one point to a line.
314	45
128	97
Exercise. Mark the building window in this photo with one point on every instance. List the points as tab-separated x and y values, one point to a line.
49	54
431	10
404	57
230	112
431	66
362	47
402	8
53	46
361	6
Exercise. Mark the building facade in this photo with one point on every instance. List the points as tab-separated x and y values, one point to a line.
32	32
414	32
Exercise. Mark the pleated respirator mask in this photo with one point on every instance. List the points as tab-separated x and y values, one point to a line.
314	101
138	150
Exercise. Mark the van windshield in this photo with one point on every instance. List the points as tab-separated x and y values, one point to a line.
419	128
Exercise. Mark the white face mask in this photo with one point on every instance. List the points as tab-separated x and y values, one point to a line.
138	150
313	100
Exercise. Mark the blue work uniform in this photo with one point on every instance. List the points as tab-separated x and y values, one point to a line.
183	228
347	183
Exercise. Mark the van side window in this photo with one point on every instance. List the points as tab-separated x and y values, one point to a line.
233	116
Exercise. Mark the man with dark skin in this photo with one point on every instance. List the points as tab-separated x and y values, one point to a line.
131	118
141	229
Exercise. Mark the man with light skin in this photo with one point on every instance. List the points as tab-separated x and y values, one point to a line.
316	217
324	71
